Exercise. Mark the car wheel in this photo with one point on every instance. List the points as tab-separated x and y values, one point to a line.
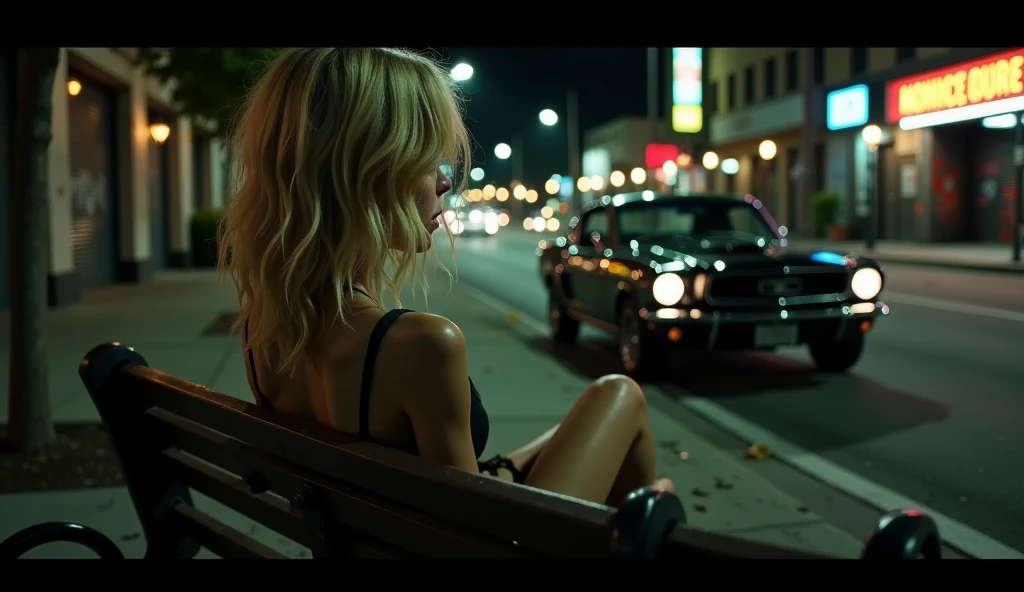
837	356
639	357
564	329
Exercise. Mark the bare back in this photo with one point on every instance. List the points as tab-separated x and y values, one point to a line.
326	388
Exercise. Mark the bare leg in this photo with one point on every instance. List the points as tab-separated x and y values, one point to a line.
603	449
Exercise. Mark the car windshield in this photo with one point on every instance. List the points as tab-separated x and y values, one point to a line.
652	221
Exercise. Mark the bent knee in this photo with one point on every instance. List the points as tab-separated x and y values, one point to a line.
620	387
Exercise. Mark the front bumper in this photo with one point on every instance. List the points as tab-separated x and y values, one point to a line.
694	328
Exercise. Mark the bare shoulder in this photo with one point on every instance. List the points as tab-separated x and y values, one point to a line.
426	335
426	341
430	350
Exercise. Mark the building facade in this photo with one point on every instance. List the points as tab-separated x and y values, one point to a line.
120	202
938	177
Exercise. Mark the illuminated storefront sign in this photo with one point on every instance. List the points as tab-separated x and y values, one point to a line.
687	89
971	90
847	107
658	154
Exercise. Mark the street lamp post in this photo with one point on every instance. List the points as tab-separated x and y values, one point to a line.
872	136
1018	161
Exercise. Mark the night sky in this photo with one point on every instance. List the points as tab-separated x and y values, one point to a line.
510	86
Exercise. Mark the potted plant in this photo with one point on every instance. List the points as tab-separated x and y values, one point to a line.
203	231
825	210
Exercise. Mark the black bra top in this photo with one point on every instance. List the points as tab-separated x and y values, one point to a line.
480	425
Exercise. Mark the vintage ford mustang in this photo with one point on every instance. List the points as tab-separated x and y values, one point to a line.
704	272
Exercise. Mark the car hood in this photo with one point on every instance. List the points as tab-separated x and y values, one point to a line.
737	253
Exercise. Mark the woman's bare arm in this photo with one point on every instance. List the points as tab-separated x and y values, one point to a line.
439	405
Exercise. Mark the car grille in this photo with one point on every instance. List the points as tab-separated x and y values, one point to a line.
795	287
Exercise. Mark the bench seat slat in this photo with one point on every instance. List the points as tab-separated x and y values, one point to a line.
548	524
398	528
218	537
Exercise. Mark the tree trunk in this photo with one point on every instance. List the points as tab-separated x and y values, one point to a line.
30	426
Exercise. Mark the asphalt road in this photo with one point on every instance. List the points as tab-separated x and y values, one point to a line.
933	410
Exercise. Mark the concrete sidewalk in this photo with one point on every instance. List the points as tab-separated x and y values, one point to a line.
525	391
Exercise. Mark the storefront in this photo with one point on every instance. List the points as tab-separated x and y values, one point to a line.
94	211
969	112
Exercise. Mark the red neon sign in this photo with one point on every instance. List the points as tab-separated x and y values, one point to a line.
658	154
993	78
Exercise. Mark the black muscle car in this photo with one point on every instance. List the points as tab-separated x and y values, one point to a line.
704	272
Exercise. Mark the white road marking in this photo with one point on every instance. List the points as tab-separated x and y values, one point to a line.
951	306
953	533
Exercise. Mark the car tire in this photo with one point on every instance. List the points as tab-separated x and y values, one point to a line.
639	354
564	329
838	356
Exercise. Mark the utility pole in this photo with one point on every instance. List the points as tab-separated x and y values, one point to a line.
809	169
572	125
652	105
1018	161
518	166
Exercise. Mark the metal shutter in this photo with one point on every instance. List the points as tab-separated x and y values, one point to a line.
159	214
93	183
995	188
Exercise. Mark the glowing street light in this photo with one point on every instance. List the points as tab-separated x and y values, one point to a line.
74	87
617	178
710	161
596	183
583	184
872	135
551	186
548	117
477	174
462	72
160	132
767	150
503	151
638	175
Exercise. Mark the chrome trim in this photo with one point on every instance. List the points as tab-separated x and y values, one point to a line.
769	300
713	336
772	316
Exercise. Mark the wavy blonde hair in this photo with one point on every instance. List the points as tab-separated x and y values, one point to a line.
332	146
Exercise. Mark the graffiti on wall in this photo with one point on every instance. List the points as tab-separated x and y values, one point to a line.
88	194
946	180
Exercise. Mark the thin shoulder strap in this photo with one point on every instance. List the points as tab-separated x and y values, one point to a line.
252	368
372	349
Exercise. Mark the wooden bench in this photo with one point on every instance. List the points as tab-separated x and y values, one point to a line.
342	497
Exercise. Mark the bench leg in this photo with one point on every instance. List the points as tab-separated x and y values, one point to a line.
643	521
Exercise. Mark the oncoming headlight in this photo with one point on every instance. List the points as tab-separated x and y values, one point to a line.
866	283
668	289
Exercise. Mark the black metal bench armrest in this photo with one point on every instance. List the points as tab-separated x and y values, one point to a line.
29	538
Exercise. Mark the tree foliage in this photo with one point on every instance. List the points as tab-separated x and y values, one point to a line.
209	83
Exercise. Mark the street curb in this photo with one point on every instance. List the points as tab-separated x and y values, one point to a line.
965	540
1006	269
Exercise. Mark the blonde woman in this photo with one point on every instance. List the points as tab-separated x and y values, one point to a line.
341	189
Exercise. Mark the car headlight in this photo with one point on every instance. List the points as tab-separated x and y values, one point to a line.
866	283
476	216
668	289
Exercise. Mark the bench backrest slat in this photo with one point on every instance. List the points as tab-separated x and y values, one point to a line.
358	510
219	537
550	524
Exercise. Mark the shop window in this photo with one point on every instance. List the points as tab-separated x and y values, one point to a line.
769	78
731	92
858	60
712	99
792	70
749	90
905	53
